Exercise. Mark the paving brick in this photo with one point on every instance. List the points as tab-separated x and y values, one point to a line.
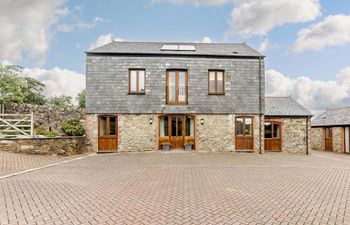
176	188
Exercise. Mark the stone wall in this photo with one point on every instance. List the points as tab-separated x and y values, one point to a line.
46	117
338	139
256	134
317	137
136	134
216	133
45	146
91	131
294	138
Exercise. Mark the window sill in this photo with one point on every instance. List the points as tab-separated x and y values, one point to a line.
135	93
179	104
216	93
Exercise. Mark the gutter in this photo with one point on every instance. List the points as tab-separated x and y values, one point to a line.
173	55
307	135
260	108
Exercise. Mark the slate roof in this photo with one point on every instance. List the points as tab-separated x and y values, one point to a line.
154	48
333	117
284	106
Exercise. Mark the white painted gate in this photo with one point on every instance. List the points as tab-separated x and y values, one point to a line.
16	125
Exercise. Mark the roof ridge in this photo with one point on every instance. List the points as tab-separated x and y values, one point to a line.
343	107
278	96
179	42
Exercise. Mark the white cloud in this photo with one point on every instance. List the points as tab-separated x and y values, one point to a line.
332	31
193	2
25	27
316	95
78	45
256	17
206	40
62	11
104	39
264	45
80	25
5	63
58	81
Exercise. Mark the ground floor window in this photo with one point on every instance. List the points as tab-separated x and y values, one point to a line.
272	130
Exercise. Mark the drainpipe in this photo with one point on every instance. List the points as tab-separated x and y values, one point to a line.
307	135
260	107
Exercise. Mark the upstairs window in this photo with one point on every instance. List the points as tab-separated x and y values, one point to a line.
177	87
216	82
137	81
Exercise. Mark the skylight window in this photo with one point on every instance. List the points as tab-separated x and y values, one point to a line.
175	47
170	47
187	48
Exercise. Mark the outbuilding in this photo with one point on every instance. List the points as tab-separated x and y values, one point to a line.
331	130
287	125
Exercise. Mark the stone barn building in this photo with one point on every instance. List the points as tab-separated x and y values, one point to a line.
287	126
143	95
331	130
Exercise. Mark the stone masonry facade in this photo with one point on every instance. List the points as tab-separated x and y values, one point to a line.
295	139
318	139
136	134
295	133
338	139
45	146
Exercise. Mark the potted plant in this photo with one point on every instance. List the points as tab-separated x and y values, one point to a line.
188	145
166	146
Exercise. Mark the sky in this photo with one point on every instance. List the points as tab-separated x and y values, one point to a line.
306	42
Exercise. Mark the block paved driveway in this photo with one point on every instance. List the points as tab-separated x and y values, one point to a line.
181	188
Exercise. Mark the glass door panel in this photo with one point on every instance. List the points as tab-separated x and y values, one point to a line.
182	86
172	86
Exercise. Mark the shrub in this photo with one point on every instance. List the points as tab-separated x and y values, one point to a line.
40	131
72	128
46	133
188	142
50	134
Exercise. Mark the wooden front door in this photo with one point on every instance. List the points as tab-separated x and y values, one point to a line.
272	136
328	142
244	133
107	133
176	131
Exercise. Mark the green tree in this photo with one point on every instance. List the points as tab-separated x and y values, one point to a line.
18	89
34	92
81	98
11	84
60	101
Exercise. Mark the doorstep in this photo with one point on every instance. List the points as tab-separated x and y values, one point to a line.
106	151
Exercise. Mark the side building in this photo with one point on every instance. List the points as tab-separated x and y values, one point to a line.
287	126
331	130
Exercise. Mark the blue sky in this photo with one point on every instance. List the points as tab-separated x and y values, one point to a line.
318	65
